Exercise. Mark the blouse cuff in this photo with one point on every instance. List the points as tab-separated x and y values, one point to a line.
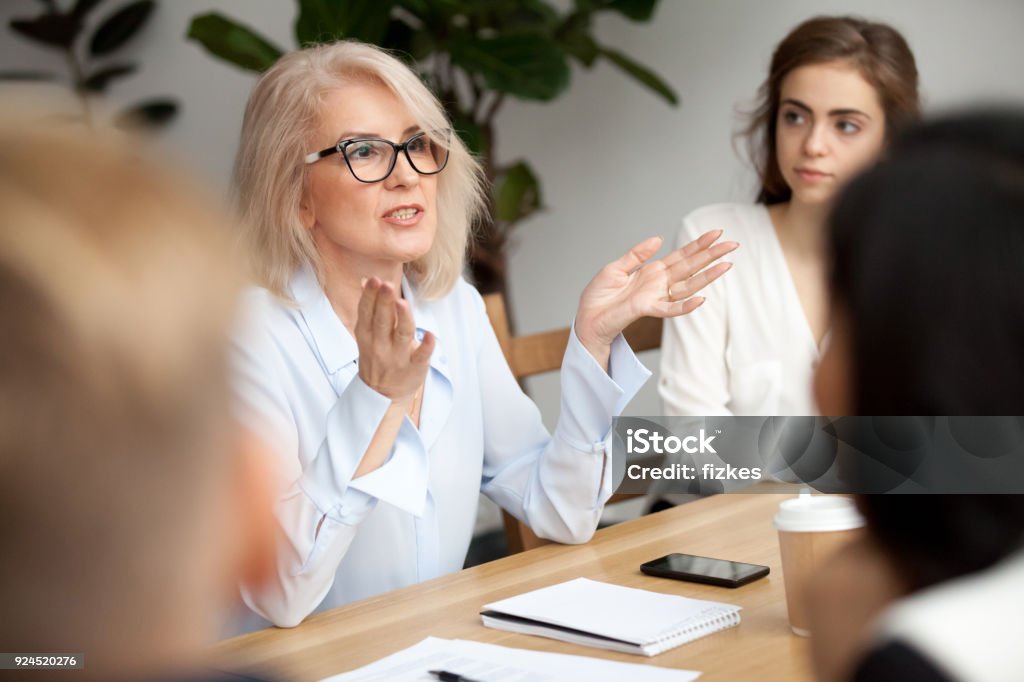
352	423
591	396
402	480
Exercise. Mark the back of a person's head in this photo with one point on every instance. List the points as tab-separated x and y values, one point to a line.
927	250
115	297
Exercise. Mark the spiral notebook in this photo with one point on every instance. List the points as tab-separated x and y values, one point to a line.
625	619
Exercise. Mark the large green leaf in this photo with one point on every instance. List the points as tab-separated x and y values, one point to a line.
410	44
57	30
511	16
637	10
25	75
325	20
472	135
153	113
575	38
428	16
446	9
119	27
98	81
525	65
233	42
518	193
641	74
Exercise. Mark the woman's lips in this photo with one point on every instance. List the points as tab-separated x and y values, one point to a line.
811	175
405	216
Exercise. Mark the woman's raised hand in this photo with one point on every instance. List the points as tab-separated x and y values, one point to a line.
634	286
391	362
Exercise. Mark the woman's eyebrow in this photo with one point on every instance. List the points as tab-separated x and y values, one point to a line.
834	112
848	112
798	104
357	133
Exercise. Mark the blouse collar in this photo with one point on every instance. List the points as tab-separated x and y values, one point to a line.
335	345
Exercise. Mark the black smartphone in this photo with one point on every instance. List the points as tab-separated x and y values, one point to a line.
702	569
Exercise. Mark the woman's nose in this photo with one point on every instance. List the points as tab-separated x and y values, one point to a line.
815	144
403	174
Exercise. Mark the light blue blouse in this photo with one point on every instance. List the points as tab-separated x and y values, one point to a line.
412	519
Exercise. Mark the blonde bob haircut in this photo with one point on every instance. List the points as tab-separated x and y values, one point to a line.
270	174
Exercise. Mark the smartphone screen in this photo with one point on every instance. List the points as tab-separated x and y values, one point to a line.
704	570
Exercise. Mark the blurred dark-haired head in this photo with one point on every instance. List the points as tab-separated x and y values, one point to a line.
926	255
927	251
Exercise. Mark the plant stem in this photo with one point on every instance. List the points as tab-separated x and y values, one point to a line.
453	92
478	97
437	73
493	109
78	82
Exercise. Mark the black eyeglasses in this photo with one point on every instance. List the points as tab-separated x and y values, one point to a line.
372	159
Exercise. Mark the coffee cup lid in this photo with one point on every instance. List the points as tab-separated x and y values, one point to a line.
817	513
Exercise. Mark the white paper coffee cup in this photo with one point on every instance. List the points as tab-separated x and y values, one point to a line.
811	527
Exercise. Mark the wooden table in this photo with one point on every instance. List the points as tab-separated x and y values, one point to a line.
733	526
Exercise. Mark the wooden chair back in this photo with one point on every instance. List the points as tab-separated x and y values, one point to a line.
539	353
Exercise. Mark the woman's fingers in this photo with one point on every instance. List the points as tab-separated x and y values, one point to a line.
384	313
405	327
676	308
637	255
688	250
688	287
687	267
421	356
367	304
390	362
688	306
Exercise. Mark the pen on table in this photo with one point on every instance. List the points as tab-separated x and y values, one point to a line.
446	676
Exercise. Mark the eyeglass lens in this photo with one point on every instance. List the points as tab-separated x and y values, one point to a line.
373	160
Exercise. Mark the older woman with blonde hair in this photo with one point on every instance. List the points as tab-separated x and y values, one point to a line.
369	364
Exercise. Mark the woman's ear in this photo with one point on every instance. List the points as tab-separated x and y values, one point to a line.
306	213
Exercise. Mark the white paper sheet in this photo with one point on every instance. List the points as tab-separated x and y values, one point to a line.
492	663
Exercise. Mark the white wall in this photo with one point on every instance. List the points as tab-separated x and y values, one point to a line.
616	163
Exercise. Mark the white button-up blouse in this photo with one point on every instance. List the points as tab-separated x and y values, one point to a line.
412	519
749	349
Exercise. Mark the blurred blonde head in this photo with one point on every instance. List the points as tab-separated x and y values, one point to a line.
281	117
116	293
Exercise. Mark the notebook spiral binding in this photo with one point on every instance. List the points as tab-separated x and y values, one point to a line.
701	625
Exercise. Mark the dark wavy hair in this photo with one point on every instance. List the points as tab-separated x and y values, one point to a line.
877	51
926	253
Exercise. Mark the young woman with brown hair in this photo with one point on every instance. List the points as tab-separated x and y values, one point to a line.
836	90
